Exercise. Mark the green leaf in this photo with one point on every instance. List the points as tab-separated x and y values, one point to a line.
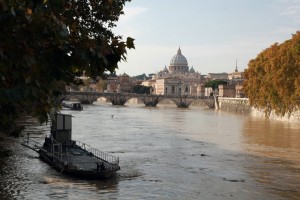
130	43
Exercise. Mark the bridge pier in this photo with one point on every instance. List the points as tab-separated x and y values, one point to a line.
183	101
86	102
85	99
151	101
182	105
150	104
118	100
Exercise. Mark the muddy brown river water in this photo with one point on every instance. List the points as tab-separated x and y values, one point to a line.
166	153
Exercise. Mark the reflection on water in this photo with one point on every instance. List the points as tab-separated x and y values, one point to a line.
272	133
278	144
167	153
273	139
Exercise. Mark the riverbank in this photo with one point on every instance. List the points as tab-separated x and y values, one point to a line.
4	152
241	105
22	123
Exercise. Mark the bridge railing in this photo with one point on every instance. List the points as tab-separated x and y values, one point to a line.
139	95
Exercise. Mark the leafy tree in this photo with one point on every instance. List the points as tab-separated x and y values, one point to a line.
215	83
141	77
273	78
141	89
46	42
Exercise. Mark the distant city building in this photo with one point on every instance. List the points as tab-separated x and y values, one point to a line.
122	83
178	79
125	83
112	83
217	76
227	90
236	77
208	91
234	88
239	91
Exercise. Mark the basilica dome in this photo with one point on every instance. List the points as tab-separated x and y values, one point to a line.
178	63
179	59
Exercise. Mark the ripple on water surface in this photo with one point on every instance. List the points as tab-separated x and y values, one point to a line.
166	153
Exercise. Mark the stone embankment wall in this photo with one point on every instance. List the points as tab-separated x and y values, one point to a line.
241	105
295	116
238	105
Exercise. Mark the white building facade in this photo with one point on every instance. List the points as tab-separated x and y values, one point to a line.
178	79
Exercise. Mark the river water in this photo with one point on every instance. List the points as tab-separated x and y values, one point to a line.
166	153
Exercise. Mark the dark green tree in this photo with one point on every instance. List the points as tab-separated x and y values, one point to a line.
141	77
215	83
47	43
141	89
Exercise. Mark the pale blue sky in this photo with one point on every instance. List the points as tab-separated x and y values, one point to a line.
212	34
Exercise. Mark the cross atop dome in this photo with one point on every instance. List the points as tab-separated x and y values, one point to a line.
179	51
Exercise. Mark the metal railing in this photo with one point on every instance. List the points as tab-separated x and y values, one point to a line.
61	158
99	154
57	151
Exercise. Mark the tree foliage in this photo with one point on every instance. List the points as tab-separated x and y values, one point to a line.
215	83
46	43
273	78
141	89
141	77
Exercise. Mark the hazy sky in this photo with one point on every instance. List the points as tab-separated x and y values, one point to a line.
212	34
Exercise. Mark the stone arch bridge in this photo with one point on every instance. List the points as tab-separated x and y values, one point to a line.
181	101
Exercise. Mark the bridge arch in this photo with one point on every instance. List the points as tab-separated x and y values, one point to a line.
148	99
208	102
63	97
168	100
179	100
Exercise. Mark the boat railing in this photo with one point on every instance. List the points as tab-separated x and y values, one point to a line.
98	153
57	151
87	165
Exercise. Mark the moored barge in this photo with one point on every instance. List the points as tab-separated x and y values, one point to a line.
73	157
